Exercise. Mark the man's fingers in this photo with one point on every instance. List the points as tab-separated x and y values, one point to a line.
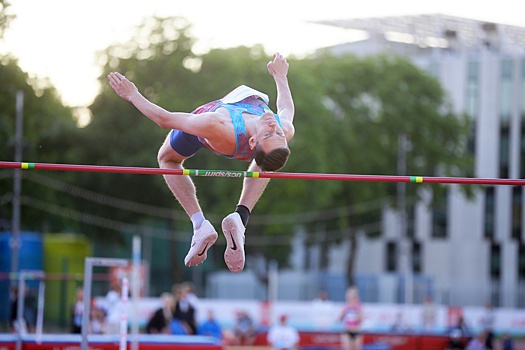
121	77
112	81
113	78
116	77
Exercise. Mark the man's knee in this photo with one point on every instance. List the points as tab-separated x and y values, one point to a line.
167	155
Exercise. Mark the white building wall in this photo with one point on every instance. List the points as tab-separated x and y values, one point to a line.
460	263
487	138
468	251
370	258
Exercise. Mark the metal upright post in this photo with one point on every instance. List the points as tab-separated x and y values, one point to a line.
88	277
20	321
17	183
136	258
405	266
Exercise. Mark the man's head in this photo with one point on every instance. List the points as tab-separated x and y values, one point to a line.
273	160
283	318
270	144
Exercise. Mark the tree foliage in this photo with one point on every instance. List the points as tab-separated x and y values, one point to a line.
49	135
350	113
5	16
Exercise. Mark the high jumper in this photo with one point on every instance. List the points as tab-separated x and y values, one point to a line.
239	126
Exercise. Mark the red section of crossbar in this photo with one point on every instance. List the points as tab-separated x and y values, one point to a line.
92	168
267	175
393	178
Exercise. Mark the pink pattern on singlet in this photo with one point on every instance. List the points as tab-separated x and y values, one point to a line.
351	315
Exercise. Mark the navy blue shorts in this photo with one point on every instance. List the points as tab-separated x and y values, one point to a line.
184	144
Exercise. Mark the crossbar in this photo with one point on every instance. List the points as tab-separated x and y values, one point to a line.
262	175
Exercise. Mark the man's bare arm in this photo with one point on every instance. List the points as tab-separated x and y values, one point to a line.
278	68
204	125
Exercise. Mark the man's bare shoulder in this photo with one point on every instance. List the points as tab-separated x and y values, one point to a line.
211	125
288	129
219	117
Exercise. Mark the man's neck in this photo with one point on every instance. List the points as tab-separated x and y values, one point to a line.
250	121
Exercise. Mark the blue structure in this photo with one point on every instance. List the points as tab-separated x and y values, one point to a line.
30	257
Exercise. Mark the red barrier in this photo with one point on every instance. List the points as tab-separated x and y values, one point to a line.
393	341
108	342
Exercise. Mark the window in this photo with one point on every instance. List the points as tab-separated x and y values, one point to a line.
410	220
473	89
489	213
439	216
472	98
504	150
522	148
522	82
521	276
522	114
521	263
495	261
417	257
505	107
517	206
391	257
505	110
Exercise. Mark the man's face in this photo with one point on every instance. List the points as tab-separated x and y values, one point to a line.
268	133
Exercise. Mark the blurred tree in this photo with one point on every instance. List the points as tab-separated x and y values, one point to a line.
344	105
5	16
49	131
49	135
156	59
369	103
349	115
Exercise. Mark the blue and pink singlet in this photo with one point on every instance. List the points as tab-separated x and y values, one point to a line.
186	144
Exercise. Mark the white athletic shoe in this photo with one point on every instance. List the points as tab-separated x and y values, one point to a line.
233	230
202	240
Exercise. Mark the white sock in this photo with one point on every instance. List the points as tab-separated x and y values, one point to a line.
197	219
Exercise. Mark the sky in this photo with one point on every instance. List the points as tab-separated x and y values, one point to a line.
58	39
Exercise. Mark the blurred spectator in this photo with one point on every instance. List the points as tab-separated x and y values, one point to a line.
210	327
428	315
28	317
191	297
178	327
399	325
161	318
322	296
13	305
459	335
77	312
478	342
324	311
487	324
97	320
352	317
244	331
506	342
184	311
113	307
30	308
282	336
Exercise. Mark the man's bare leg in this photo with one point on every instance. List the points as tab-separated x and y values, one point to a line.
182	187
234	225
252	188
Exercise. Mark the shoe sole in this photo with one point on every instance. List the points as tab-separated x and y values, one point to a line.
201	250
234	253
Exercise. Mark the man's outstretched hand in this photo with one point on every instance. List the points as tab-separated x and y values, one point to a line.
122	86
278	66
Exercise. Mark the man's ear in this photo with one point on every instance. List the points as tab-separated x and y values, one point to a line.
252	142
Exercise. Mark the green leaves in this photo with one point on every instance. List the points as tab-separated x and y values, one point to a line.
350	112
